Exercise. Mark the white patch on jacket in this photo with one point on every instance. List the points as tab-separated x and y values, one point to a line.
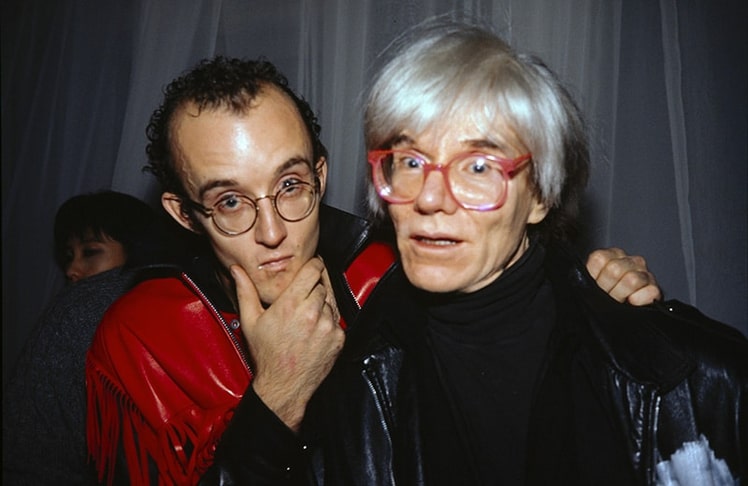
694	464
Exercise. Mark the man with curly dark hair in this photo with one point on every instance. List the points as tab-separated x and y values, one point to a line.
240	161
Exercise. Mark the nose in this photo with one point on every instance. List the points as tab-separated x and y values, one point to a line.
435	195
270	229
73	272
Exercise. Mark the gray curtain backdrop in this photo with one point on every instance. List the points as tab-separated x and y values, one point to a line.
662	83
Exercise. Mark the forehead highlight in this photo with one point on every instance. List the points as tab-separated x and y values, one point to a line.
217	149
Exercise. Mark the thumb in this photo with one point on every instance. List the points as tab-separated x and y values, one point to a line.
250	307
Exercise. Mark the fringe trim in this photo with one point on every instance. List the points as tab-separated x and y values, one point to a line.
113	421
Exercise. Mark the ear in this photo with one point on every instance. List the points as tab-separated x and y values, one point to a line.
173	205
538	211
321	170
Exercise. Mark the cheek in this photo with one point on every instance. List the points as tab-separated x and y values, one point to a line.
107	261
232	250
119	256
508	230
308	236
399	221
398	215
504	237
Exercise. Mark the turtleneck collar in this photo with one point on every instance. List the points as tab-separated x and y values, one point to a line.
474	316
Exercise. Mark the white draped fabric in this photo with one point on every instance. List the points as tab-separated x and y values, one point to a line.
663	85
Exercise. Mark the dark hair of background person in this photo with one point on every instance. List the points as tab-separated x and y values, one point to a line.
147	236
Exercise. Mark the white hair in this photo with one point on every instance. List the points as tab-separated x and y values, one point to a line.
441	70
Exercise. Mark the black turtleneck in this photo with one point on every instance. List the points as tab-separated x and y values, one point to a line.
480	356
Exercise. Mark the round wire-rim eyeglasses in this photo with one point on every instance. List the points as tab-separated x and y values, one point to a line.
310	194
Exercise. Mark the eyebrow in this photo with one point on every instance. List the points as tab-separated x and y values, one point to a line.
477	143
233	182
399	139
483	143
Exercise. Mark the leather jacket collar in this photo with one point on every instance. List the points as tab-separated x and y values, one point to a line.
626	359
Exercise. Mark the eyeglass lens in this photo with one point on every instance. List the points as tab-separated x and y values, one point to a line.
238	214
474	180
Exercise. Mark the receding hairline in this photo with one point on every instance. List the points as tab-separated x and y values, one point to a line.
266	89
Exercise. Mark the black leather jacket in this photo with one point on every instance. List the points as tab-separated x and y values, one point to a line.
662	375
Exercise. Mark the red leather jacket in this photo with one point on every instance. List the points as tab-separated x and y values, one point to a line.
168	365
147	381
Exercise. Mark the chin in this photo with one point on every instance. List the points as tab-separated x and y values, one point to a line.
270	291
268	298
435	289
430	279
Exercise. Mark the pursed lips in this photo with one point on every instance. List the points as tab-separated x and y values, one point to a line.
275	263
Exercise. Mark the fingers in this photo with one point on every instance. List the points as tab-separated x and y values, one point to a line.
295	342
312	287
250	307
646	295
598	259
305	281
635	287
625	277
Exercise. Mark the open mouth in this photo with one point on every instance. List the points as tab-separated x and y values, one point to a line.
432	241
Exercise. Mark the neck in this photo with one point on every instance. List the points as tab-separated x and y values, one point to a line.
227	284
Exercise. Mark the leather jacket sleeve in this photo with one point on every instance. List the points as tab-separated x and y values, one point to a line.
150	417
257	449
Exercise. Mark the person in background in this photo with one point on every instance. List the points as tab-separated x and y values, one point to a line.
240	162
100	231
489	355
99	241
